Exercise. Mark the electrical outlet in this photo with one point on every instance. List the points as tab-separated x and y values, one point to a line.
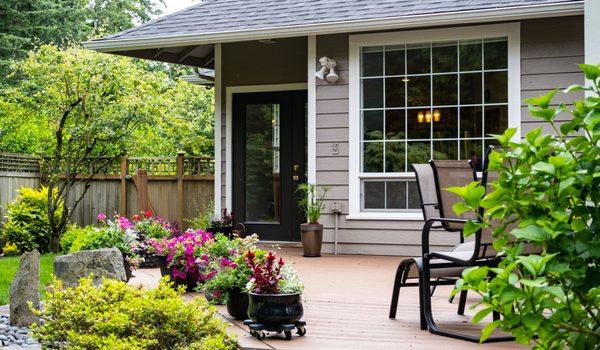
336	207
335	148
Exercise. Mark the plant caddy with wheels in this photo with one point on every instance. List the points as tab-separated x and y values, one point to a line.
275	298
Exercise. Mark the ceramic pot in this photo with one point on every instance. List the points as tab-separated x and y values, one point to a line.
275	308
237	304
312	239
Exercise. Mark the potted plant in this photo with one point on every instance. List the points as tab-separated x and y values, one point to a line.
150	227
186	258
274	291
312	204
223	225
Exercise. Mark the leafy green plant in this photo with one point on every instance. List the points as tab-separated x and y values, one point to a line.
548	190
28	223
117	316
312	202
75	238
10	250
203	220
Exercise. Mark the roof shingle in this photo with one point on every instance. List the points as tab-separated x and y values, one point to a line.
220	16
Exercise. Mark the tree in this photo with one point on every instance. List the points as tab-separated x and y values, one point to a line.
92	103
27	23
548	187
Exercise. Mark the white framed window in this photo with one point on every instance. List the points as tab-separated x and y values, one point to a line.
420	95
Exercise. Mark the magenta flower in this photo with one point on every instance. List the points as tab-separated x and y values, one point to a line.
124	223
101	217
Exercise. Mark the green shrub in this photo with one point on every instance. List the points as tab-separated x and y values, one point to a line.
550	186
75	238
28	225
118	316
10	250
204	218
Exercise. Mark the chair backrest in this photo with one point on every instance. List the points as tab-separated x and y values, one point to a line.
451	173
427	192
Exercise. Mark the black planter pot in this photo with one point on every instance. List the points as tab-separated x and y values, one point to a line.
237	304
275	308
162	264
226	230
151	261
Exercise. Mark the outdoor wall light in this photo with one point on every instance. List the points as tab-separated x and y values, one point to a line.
327	65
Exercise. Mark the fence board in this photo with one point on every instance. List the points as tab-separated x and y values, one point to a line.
105	192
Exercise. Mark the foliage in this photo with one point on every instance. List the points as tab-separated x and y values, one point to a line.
28	224
548	185
172	115
271	276
312	201
75	237
149	226
204	218
9	267
118	316
117	233
227	261
27	23
226	219
10	249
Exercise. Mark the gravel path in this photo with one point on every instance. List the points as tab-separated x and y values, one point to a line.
14	337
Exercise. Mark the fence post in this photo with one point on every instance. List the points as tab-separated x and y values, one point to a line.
123	208
142	187
180	192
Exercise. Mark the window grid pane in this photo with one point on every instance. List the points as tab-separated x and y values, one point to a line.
429	100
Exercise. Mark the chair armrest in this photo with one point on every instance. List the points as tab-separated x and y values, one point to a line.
429	225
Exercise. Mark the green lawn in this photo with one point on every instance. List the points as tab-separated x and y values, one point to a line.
9	267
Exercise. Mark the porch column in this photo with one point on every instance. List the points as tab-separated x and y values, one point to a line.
592	31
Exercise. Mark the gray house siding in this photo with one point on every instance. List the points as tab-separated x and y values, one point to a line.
550	51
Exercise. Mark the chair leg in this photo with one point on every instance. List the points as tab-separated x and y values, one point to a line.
495	315
401	274
462	301
424	288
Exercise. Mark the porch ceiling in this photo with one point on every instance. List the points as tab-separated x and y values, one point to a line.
195	55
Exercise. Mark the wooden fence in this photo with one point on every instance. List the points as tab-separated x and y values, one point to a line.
175	187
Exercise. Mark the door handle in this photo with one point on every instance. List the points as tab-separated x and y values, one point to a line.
295	177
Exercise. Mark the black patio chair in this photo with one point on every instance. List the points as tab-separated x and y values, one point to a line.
442	275
448	174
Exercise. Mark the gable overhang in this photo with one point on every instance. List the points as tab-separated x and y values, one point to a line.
147	47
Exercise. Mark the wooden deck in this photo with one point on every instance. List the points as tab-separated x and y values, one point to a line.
346	303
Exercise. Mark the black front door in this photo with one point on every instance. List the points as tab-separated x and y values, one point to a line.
269	161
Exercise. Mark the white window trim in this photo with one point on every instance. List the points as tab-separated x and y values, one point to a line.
510	30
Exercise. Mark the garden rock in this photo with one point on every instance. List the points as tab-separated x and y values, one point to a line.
101	263
24	289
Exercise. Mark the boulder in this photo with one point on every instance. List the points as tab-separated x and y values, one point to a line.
101	263
24	289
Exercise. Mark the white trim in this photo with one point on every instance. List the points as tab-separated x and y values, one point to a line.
218	123
510	30
229	91
311	165
592	32
571	8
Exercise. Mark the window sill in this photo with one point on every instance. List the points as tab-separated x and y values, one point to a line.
386	216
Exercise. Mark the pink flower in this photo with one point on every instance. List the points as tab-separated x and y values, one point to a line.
124	223
101	217
136	218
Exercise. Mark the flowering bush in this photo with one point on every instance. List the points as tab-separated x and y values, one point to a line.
229	265
187	256
118	233
149	226
271	276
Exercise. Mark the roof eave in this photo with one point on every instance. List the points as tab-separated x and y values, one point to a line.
448	18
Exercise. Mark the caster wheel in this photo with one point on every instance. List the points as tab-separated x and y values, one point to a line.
288	335
260	335
301	331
